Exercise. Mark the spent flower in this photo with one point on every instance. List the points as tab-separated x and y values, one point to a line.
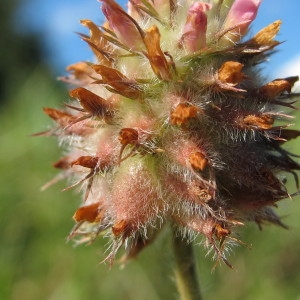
173	123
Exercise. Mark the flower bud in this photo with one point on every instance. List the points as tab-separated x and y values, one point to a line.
194	32
240	16
122	24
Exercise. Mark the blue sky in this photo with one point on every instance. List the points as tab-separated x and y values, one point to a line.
58	20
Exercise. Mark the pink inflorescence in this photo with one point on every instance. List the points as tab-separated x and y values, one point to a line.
172	123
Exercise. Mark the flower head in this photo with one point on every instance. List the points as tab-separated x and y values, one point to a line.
172	125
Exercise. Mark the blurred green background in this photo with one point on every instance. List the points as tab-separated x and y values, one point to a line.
35	260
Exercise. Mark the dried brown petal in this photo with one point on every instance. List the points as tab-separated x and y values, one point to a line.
99	45
68	122
155	55
277	87
221	232
265	37
64	163
123	228
91	102
118	82
61	117
230	73
81	71
90	213
263	121
182	113
128	136
198	161
86	161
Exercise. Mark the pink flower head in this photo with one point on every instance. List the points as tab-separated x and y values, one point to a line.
126	30
173	124
194	32
240	16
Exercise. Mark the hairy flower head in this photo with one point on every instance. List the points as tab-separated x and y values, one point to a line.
172	123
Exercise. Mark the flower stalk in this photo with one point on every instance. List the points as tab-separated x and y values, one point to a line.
185	269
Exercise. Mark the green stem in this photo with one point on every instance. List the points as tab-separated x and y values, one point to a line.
185	269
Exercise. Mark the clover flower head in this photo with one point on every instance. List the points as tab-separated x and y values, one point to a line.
172	123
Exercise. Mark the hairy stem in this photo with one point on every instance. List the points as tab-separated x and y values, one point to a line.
185	269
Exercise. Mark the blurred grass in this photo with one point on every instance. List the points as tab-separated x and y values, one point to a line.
36	263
